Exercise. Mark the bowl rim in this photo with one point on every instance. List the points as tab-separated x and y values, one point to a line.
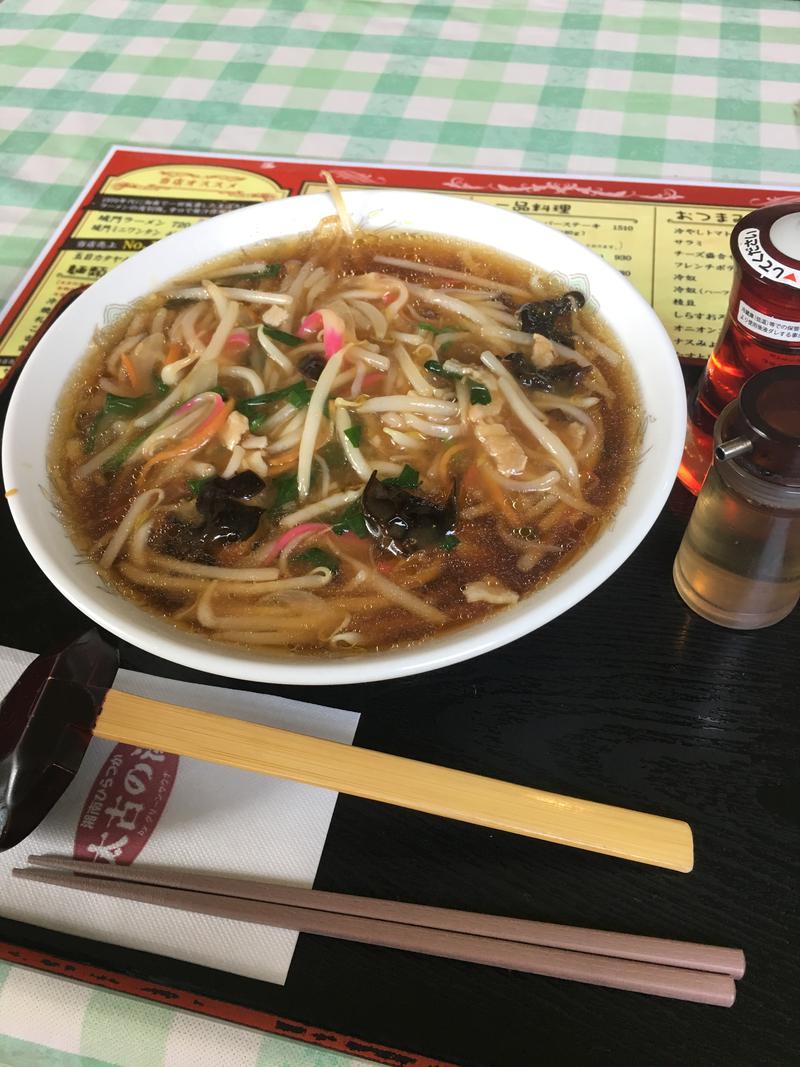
198	652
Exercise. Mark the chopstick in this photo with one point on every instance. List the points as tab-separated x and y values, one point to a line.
700	973
577	939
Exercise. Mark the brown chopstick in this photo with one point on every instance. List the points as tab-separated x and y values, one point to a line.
551	935
591	968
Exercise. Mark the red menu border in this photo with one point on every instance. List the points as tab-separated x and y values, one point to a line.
172	997
292	174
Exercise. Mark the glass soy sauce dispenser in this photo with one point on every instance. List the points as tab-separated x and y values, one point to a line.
761	329
739	562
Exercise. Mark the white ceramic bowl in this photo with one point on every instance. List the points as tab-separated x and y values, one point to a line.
28	426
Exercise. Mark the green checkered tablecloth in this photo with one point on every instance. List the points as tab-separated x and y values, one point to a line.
644	88
656	88
47	1021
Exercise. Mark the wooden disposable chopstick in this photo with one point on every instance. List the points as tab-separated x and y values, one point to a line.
634	835
660	967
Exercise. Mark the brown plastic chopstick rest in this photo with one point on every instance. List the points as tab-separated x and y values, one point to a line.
47	718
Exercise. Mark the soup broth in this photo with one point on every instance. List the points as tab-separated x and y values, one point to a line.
345	442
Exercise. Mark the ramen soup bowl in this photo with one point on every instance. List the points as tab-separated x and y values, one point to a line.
567	264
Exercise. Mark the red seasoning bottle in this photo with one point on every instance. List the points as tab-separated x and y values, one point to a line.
761	329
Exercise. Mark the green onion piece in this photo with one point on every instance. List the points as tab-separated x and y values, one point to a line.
449	542
408	478
113	463
256	422
285	492
221	391
269	270
352	521
353	435
297	394
435	367
114	405
478	393
317	557
280	335
125	405
159	385
196	484
433	329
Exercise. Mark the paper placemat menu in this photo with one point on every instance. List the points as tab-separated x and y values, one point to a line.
128	803
670	240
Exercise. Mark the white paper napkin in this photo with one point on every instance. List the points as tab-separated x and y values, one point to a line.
215	819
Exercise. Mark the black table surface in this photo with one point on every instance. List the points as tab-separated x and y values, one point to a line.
629	699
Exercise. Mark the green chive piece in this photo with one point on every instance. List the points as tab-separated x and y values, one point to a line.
352	521
115	405
408	478
280	335
434	329
125	405
449	542
269	270
285	492
159	385
433	366
298	394
196	484
353	435
478	393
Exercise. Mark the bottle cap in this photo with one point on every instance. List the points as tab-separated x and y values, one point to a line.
785	235
764	432
766	248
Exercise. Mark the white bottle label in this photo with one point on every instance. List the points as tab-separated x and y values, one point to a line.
767	326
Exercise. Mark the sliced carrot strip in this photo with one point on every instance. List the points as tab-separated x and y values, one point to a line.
446	456
283	459
132	374
202	434
494	491
173	353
